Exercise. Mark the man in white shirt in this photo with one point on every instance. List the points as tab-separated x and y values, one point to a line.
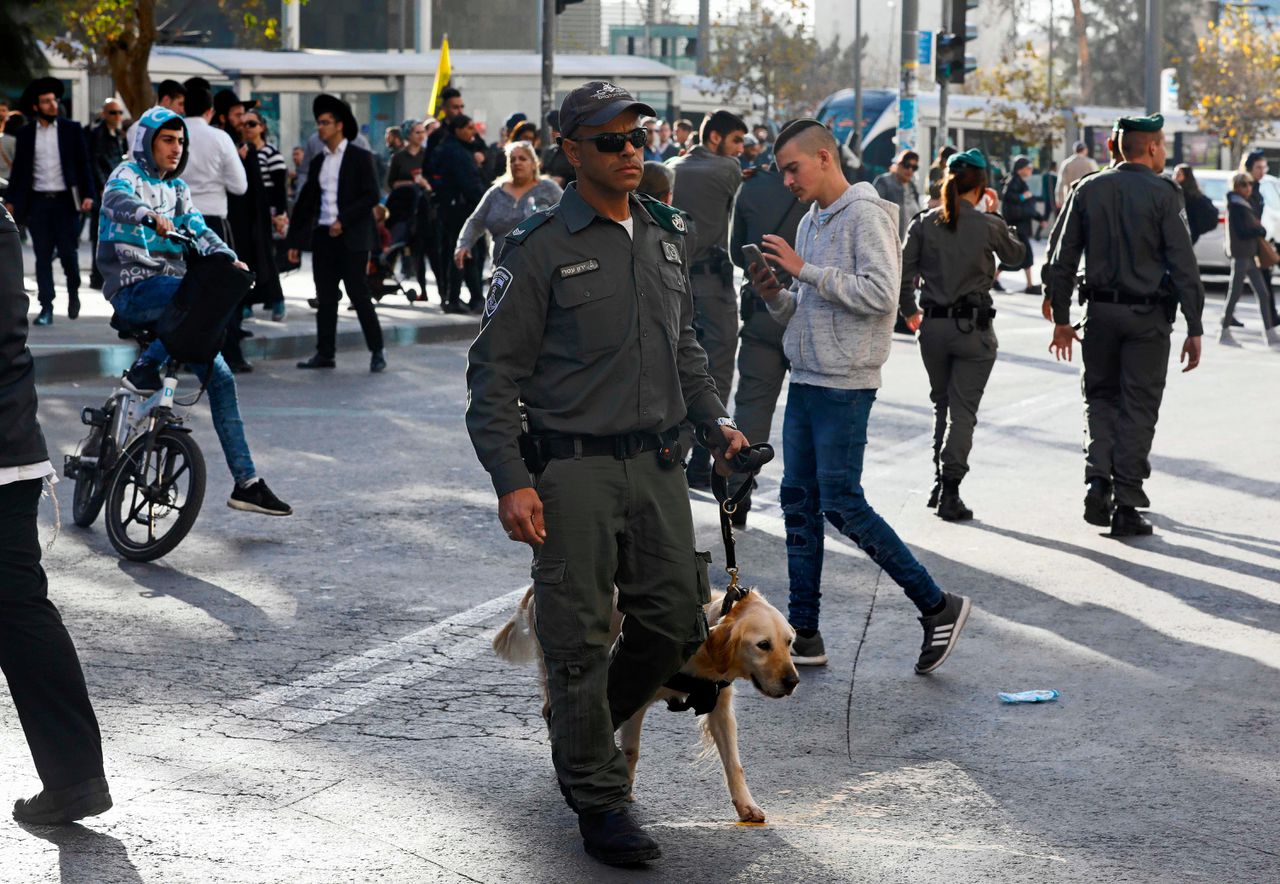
1077	167
213	165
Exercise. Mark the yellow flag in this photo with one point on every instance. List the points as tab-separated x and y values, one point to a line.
443	72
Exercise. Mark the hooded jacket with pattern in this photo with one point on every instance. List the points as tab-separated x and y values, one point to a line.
128	251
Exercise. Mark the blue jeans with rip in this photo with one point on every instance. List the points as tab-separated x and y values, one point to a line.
824	434
143	302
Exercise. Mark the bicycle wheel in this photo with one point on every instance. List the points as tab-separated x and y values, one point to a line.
91	485
153	499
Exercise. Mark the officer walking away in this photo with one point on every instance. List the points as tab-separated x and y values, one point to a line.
950	249
707	179
50	183
36	653
589	324
841	306
1129	224
764	206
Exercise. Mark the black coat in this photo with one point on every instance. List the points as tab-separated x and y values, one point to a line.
358	193
76	171
455	177
21	441
249	215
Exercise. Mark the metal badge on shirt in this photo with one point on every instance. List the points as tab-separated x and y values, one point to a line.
581	267
672	251
498	287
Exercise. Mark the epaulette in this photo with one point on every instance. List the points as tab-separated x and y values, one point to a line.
668	217
521	231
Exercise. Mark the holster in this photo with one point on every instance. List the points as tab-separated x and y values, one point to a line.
535	460
747	303
722	266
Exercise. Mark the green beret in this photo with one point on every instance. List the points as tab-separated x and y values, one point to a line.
971	157
1153	123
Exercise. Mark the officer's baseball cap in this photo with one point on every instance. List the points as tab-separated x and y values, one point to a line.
596	103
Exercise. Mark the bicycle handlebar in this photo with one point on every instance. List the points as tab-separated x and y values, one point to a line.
181	235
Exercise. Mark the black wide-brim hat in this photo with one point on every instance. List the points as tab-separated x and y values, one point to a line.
331	104
226	99
36	88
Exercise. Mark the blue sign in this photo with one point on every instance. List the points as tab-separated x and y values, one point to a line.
906	114
925	50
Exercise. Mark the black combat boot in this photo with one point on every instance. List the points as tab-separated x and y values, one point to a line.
936	492
616	839
950	507
1128	522
1097	503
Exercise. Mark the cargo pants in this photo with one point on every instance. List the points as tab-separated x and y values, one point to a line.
612	522
958	357
1126	360
762	369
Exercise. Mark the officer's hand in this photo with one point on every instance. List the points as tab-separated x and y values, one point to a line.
913	321
779	252
460	257
295	256
1046	309
735	442
764	281
1190	353
1063	336
521	514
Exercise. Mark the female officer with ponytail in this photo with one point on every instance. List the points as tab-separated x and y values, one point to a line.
950	250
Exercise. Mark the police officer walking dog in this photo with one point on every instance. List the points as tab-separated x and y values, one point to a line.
589	324
950	249
1130	224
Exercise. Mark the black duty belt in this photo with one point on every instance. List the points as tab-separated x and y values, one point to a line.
622	447
967	311
706	267
1115	296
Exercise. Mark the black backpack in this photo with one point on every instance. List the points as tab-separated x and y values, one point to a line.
1202	215
194	323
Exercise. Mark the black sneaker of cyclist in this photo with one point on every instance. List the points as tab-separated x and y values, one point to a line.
256	497
941	632
143	377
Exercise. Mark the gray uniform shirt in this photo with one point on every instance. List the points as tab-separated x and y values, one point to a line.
591	329
1132	226
705	187
955	266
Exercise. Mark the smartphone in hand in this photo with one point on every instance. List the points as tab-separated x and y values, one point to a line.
753	255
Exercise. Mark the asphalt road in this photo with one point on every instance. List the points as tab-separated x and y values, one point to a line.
314	698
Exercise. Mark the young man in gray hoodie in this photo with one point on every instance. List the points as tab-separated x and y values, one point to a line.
839	317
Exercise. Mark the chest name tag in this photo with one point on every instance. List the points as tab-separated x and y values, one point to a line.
672	251
581	267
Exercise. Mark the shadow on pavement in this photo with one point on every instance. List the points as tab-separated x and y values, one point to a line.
86	855
234	612
1261	546
1205	471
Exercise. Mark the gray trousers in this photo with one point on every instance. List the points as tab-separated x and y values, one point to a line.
958	358
715	314
1126	359
1242	269
762	367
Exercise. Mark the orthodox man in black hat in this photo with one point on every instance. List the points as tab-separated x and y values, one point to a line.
50	184
1130	225
333	218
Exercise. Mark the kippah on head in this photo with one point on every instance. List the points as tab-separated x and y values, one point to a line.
812	134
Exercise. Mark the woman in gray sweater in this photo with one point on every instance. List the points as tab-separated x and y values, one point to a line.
512	198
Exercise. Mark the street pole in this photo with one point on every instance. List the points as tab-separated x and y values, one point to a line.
704	35
1050	95
907	82
944	88
548	9
1154	53
857	78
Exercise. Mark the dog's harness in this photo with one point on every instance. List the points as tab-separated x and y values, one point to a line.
703	693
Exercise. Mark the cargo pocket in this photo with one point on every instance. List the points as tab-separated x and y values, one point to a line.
555	622
703	560
699	635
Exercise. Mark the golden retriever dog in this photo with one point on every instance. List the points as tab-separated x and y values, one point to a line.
751	643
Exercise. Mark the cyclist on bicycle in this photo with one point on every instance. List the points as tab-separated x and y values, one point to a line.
142	270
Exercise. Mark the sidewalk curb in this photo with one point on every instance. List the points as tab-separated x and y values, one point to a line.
112	359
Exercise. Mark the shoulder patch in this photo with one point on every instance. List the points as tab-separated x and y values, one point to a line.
668	217
521	231
499	285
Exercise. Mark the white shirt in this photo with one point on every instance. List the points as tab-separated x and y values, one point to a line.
48	165
42	470
329	183
213	168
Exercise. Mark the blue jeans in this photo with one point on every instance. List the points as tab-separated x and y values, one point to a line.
143	302
824	433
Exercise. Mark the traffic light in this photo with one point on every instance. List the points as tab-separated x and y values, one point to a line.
561	4
951	61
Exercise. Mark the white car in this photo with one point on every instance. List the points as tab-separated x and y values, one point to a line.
1211	252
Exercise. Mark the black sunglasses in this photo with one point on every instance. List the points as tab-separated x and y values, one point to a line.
251	124
114	113
614	142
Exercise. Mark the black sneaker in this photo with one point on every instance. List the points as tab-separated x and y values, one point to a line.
616	839
941	632
143	377
257	498
809	651
66	805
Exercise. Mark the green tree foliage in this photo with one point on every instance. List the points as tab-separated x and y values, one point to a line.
1021	103
1234	73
